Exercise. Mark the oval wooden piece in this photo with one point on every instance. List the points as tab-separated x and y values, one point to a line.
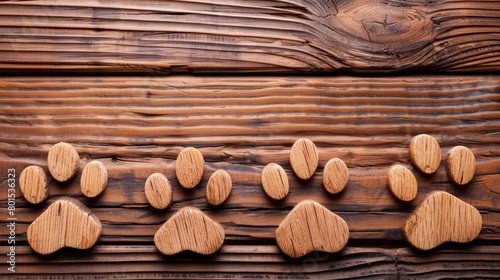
425	153
158	191
460	165
65	223
63	161
219	187
189	229
335	176
311	227
94	179
304	158
442	217
275	181
189	167
402	183
33	184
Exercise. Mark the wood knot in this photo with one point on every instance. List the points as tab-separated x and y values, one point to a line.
382	23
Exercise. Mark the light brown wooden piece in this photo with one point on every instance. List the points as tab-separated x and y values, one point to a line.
304	158
63	161
460	165
189	167
425	153
335	175
158	191
442	217
94	179
33	184
275	181
189	229
65	223
402	183
219	187
311	227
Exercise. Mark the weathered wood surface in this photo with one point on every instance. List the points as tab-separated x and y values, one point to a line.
161	37
257	262
137	126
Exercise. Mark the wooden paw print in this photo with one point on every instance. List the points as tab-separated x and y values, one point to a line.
440	217
309	226
66	222
189	229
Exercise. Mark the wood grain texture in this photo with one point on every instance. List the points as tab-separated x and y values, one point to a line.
138	126
158	37
120	262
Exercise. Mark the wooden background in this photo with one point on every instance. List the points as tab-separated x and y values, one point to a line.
118	106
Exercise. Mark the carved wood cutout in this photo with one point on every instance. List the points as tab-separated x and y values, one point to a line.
439	218
311	227
65	223
189	229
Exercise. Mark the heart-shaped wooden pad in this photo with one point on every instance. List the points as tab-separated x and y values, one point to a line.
442	217
189	229
65	223
311	227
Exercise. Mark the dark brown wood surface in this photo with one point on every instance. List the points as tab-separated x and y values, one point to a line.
278	36
137	125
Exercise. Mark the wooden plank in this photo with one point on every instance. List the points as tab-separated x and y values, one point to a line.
158	38
230	262
137	126
258	261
